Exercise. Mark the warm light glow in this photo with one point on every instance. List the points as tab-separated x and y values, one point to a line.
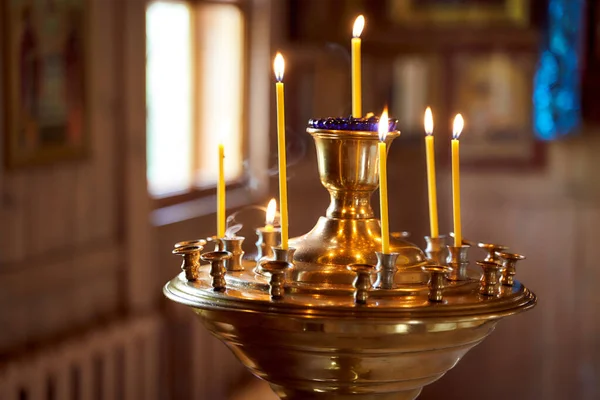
459	124
271	208
384	124
428	121
279	67
359	25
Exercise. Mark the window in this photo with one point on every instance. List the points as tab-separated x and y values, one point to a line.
195	96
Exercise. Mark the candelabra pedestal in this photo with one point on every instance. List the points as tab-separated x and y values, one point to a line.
313	324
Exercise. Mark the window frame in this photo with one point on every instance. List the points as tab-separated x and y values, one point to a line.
195	192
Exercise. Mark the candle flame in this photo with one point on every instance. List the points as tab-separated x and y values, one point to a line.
271	208
279	67
459	124
359	25
384	124
428	122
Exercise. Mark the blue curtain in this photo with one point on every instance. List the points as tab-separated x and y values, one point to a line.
557	96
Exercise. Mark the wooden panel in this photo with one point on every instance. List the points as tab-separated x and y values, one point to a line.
12	218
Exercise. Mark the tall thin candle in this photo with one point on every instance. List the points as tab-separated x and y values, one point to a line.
357	29
279	67
459	124
431	184
221	193
383	197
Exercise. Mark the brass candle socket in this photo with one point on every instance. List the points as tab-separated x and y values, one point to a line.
191	258
216	241
197	242
267	239
362	282
491	250
217	268
279	254
277	269
490	279
386	270
234	246
282	254
437	281
458	261
436	249
509	262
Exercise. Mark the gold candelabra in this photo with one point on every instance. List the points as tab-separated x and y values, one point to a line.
332	317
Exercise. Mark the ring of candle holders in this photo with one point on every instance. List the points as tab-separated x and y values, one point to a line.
344	331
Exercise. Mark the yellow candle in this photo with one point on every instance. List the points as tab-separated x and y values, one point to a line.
383	197
279	67
457	129
221	193
270	216
430	152
359	24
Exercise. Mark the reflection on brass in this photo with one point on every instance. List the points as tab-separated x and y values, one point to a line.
362	283
320	331
191	259
386	270
490	282
458	261
509	262
277	270
436	249
234	246
217	261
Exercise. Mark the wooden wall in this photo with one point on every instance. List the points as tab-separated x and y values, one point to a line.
66	229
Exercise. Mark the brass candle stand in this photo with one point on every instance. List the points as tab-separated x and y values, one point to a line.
331	318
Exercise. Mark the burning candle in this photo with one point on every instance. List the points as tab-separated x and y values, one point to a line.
279	67
359	24
270	216
383	197
221	193
459	124
431	184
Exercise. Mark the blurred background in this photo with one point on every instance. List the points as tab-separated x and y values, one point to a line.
111	111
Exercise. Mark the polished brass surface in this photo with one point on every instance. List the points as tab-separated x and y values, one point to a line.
234	246
191	258
267	239
509	262
362	283
490	282
437	281
436	249
386	270
217	261
458	261
322	331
